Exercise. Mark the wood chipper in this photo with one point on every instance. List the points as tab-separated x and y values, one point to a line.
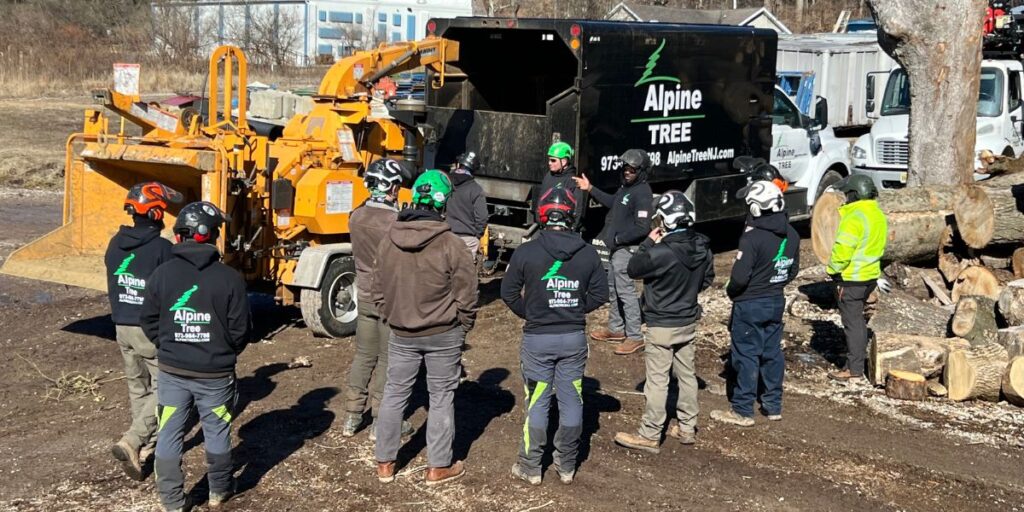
289	198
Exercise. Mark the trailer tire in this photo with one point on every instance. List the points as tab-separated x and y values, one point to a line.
831	177
331	310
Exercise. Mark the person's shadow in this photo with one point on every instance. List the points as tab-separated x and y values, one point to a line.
272	437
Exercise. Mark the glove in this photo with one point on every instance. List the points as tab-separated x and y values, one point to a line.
884	285
836	277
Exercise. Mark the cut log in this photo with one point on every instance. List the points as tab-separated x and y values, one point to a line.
1013	382
900	313
1012	339
824	223
918	354
935	388
949	264
903	385
975	221
975	373
1017	262
1007	219
1011	303
975	280
975	319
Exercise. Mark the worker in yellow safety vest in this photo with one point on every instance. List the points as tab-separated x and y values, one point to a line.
855	265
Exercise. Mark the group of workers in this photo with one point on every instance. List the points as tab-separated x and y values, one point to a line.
182	317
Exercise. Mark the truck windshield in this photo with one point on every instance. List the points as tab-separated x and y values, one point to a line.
990	93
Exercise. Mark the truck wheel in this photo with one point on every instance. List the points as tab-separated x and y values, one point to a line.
830	178
330	311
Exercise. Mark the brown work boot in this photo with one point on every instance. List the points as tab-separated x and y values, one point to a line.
730	416
129	458
438	476
607	336
637	442
843	376
630	346
386	472
684	436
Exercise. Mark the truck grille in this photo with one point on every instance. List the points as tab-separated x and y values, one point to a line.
893	152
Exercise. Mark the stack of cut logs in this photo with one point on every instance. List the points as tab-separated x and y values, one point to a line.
954	325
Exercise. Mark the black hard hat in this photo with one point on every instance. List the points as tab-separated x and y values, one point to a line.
675	209
200	221
639	160
557	207
468	161
857	187
382	175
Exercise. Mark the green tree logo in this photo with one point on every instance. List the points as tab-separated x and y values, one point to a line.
652	61
181	303
553	272
782	249
122	270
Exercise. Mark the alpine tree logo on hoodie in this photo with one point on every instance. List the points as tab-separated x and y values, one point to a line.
132	285
564	291
782	264
192	323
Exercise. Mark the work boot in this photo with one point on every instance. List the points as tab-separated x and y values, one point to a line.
637	442
186	507
407	430
519	473
566	477
684	436
438	476
730	416
386	472
845	376
129	458
630	346
352	423
145	454
774	417
607	336
218	499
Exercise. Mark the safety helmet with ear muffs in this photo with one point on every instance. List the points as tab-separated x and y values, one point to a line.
382	176
557	207
639	160
468	161
857	187
675	210
150	199
765	171
764	197
199	221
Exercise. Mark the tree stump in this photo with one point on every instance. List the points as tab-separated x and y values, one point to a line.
976	373
975	280
918	354
900	313
903	385
975	319
1012	339
1011	303
1013	382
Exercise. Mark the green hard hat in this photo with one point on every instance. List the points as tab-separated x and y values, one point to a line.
857	187
432	188
560	150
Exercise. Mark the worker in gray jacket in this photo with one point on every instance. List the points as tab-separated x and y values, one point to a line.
467	208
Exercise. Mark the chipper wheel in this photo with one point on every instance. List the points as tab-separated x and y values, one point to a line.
331	310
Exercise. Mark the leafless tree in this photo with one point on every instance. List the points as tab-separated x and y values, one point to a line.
177	33
270	37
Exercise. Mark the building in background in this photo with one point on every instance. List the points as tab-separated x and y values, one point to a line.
752	17
302	32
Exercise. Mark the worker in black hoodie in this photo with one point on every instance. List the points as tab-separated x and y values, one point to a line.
197	314
466	211
132	255
552	282
628	222
676	264
768	258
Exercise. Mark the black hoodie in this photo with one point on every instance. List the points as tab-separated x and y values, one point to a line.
629	215
466	211
674	271
197	313
132	255
553	281
767	259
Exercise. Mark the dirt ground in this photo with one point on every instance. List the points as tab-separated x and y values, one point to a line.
837	448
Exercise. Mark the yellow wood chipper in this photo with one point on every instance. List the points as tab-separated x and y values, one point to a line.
289	197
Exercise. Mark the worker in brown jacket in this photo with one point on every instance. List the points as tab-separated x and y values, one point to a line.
369	224
425	288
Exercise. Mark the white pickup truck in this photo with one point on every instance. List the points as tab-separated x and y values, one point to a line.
883	153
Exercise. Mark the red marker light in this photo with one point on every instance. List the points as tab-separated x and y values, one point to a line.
431	27
575	30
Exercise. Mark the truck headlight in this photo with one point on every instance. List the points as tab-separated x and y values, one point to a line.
859	153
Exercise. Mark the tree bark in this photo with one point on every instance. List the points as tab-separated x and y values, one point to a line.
939	45
1007	219
975	319
976	373
1013	382
1011	303
976	280
900	313
918	354
903	385
1012	339
1018	262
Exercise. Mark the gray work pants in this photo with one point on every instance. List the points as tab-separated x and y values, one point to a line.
552	364
669	351
623	302
140	372
851	300
441	353
215	401
370	361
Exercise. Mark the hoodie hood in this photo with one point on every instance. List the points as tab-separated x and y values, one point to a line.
197	254
414	231
561	245
460	176
693	245
133	237
775	222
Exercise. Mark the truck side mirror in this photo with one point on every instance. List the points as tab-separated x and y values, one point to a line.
869	107
821	112
869	95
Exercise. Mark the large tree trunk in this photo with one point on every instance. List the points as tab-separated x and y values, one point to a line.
939	45
918	354
900	313
975	319
976	373
1013	382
